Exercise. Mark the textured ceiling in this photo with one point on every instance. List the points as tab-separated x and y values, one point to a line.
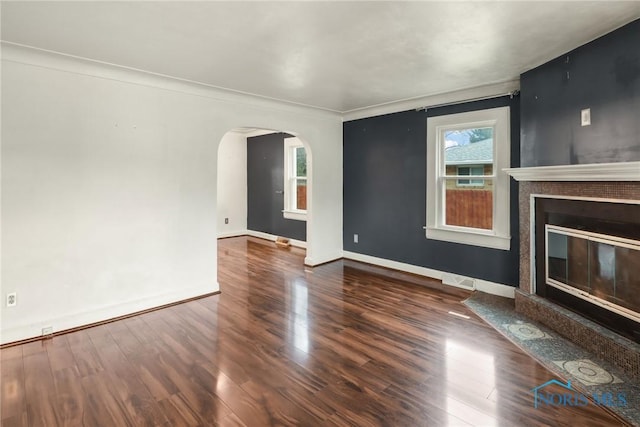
339	56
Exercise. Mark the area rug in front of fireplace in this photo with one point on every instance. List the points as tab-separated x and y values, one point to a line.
588	375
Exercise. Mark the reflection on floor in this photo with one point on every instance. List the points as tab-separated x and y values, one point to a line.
287	345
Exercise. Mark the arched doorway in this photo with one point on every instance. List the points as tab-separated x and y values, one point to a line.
260	191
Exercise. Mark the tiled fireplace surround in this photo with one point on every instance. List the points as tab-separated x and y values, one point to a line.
600	341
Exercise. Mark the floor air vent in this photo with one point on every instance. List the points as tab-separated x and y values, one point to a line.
459	281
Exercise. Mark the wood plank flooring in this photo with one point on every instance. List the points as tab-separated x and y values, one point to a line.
284	345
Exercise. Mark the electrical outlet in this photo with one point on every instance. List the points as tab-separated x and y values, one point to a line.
12	299
226	220
355	238
47	330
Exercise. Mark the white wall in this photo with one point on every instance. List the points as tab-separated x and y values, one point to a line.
109	187
232	185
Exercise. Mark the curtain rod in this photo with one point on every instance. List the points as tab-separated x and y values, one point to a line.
482	98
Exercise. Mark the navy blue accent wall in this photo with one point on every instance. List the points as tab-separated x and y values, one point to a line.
603	75
265	186
385	160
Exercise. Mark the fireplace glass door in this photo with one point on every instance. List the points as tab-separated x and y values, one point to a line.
602	269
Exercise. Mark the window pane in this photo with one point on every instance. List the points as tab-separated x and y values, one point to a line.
465	147
471	170
469	207
301	161
469	202
477	170
301	194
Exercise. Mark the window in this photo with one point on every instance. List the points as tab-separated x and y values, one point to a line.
470	170
295	179
460	207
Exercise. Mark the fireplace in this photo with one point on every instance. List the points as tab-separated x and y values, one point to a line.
587	259
613	182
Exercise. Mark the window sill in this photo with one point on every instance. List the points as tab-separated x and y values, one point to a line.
487	240
296	215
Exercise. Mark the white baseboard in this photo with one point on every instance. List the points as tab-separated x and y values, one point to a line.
272	237
76	320
479	284
313	262
237	233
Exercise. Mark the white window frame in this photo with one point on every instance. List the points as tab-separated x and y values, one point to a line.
499	236
290	180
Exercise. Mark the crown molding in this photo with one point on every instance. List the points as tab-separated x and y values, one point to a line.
621	171
463	95
29	55
43	58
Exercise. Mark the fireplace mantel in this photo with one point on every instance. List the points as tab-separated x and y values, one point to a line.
622	171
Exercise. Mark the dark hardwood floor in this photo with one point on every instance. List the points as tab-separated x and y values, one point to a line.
285	345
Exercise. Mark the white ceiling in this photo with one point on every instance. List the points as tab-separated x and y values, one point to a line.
339	56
